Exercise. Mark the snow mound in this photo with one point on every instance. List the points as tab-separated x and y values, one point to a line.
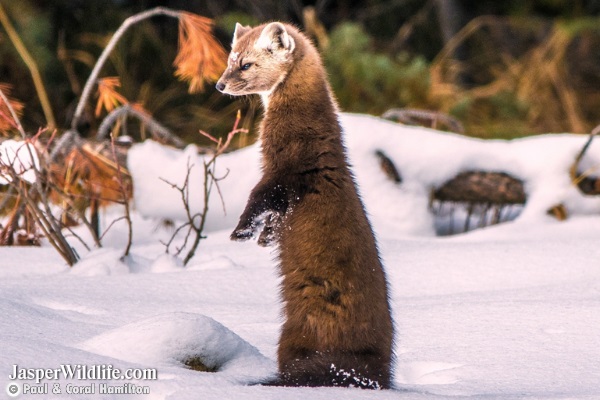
103	261
172	339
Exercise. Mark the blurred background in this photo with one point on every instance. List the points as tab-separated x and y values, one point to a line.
504	69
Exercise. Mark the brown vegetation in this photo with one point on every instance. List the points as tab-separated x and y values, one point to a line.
79	175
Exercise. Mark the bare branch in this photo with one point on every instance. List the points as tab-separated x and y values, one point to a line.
76	236
195	222
216	181
158	131
573	172
175	233
68	140
189	224
112	223
134	19
412	116
125	199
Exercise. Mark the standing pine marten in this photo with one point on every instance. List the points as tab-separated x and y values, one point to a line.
338	329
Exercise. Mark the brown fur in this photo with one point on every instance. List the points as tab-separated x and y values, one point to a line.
337	329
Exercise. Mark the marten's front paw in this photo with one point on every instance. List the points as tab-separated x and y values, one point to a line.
265	223
242	234
267	237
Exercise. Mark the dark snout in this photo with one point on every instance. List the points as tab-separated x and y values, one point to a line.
220	86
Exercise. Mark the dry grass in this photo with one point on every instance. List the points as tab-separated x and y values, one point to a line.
538	77
88	172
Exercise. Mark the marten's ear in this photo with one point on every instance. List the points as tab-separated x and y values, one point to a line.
239	32
274	36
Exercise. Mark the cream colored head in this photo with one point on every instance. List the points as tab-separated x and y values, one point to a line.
259	61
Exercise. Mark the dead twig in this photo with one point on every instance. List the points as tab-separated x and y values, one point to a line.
89	84
33	192
196	221
411	116
124	193
159	132
199	55
575	167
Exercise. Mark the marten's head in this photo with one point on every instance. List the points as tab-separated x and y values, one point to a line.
259	61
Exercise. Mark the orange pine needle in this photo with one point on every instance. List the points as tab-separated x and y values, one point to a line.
108	97
6	120
200	58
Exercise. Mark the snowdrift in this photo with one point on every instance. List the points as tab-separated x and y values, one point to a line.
425	158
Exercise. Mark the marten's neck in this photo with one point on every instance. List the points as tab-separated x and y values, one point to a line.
303	97
300	130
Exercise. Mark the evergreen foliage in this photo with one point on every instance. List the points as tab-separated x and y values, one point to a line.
371	82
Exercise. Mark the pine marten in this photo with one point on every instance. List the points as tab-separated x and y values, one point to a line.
338	328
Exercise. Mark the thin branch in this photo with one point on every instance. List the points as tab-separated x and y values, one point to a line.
53	236
216	181
200	228
469	29
40	207
68	198
573	172
11	224
175	233
76	236
411	115
112	223
184	194
195	223
134	19
68	139
159	131
125	199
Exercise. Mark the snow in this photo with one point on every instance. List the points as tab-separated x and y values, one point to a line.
506	312
424	157
171	339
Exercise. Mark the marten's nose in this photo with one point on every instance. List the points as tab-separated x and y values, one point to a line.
220	86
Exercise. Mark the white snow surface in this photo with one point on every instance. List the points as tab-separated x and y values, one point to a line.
506	312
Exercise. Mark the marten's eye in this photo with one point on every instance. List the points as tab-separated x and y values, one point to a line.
246	66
